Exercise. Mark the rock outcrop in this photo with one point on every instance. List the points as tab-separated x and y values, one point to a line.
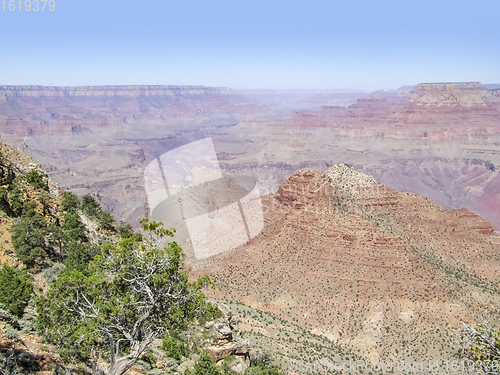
371	268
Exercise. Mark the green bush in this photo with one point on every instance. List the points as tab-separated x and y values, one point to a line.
29	239
90	206
36	179
173	346
15	289
204	366
50	274
125	230
79	256
73	228
4	200
69	201
15	197
106	221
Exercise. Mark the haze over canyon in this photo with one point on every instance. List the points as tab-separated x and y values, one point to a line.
438	140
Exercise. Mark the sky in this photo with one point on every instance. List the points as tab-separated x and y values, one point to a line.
364	45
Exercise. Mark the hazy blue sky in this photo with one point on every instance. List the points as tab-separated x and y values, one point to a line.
251	44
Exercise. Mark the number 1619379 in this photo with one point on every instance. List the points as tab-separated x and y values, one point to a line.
28	5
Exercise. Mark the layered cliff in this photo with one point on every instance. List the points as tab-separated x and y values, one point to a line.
32	110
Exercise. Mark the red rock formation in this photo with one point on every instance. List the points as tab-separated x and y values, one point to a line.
365	265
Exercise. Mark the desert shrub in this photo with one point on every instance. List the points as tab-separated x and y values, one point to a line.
173	346
15	289
11	333
4	200
50	274
263	365
69	201
211	313
29	239
73	228
90	206
125	230
15	197
27	321
204	366
106	221
36	179
79	256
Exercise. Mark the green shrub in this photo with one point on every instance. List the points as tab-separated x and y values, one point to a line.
125	230
78	257
50	274
36	179
106	221
69	201
15	289
204	366
73	228
90	206
173	346
29	239
11	333
15	197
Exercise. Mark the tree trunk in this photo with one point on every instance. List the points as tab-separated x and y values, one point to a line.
121	365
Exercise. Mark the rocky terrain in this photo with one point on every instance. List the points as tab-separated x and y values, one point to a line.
24	351
382	273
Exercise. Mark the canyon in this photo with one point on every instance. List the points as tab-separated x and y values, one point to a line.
380	210
437	140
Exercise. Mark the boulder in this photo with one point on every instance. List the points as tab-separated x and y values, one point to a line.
225	311
220	352
238	365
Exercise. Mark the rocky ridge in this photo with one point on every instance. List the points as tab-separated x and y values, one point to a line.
382	273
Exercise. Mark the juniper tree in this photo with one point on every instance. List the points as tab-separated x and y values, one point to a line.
131	295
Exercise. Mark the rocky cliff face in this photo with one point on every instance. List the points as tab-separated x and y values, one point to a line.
378	271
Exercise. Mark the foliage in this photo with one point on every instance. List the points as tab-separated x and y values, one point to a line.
480	346
4	200
36	179
79	256
173	346
262	365
225	369
90	206
73	228
29	238
15	197
125	230
69	201
131	294
204	366
106	221
50	273
15	289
